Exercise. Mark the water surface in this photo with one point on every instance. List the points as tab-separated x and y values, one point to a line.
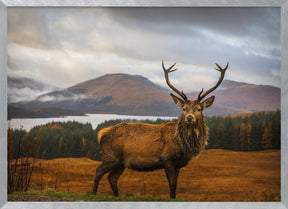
94	119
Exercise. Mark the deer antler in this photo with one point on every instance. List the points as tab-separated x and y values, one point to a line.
220	69
166	72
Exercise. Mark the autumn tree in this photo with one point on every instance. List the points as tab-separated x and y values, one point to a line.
267	137
242	136
248	137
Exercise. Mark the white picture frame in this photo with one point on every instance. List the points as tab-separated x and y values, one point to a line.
4	4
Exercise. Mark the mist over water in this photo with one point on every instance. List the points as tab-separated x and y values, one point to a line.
94	119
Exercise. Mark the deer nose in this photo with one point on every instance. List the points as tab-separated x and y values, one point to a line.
190	118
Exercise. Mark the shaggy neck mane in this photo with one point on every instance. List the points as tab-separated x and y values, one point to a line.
193	137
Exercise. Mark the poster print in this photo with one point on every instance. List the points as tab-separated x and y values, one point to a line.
75	71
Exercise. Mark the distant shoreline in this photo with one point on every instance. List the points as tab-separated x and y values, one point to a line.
94	119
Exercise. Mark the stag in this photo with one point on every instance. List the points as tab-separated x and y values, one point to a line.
169	146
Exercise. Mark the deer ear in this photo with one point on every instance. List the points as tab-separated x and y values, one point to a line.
208	102
177	101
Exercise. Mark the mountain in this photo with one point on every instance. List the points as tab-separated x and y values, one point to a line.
238	97
20	89
125	90
249	98
136	95
14	82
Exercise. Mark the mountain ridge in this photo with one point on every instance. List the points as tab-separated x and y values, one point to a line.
136	95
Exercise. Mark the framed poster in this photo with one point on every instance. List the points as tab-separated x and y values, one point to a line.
58	45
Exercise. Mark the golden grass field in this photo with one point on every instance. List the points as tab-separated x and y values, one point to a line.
216	175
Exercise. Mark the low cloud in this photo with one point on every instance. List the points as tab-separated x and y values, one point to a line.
60	98
23	94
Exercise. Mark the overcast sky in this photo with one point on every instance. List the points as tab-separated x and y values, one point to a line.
65	46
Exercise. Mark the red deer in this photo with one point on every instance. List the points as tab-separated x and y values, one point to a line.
169	146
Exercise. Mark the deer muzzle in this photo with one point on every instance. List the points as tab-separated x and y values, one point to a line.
191	119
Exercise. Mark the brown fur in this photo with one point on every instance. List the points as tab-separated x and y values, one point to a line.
145	147
102	132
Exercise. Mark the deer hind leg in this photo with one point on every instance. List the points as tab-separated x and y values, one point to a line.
172	176
105	167
113	178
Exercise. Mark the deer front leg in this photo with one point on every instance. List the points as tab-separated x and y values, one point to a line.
172	176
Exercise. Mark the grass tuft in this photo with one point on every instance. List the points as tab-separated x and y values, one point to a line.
91	197
272	196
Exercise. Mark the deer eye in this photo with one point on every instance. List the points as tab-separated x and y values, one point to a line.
199	109
184	109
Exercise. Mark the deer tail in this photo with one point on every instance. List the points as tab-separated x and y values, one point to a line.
102	133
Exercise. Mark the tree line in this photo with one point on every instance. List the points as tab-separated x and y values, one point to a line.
257	131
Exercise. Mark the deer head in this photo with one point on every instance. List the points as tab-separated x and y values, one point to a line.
192	110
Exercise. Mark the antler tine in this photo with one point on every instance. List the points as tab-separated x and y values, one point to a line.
199	95
166	72
220	69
